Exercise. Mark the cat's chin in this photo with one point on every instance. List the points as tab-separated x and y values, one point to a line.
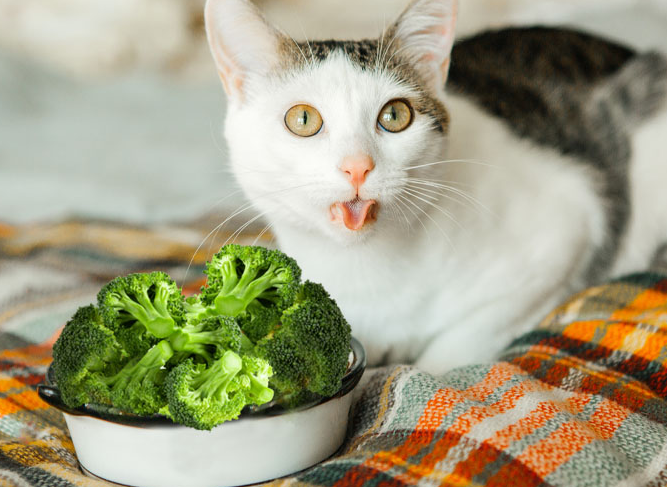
346	238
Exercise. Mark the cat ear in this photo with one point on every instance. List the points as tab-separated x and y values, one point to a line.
241	41
424	34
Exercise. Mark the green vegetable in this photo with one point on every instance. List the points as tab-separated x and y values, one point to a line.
208	338
202	396
254	330
84	354
91	366
243	277
309	348
141	309
137	387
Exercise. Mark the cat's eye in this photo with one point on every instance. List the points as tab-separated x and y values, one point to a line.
303	120
395	116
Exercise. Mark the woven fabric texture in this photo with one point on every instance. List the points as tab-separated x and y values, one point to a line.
579	401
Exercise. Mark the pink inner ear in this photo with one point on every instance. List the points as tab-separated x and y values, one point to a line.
232	82
238	84
444	69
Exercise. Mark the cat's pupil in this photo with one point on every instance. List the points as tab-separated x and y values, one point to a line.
303	120
390	115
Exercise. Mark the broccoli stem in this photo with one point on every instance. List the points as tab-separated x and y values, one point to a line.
195	309
236	294
259	392
246	343
152	314
214	381
208	338
191	340
146	369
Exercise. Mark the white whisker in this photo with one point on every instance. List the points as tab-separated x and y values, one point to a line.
405	217
430	203
425	192
466	196
240	230
296	44
235	213
444	234
385	61
443	194
404	200
215	139
449	161
310	48
215	230
264	230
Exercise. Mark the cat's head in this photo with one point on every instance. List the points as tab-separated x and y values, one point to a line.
326	136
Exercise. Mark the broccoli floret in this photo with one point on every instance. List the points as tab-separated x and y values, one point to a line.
194	308
91	366
258	320
141	308
255	376
309	349
83	355
240	277
202	396
208	338
138	387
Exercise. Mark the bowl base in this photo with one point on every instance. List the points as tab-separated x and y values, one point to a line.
93	476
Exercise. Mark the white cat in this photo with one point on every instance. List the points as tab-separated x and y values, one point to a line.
446	222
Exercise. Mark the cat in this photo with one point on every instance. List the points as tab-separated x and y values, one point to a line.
448	195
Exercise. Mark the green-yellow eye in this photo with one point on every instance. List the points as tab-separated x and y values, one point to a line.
395	116
303	120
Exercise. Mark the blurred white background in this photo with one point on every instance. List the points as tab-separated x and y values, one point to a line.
111	108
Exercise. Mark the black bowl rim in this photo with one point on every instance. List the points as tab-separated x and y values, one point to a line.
50	394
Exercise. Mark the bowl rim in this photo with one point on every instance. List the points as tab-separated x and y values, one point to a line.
48	391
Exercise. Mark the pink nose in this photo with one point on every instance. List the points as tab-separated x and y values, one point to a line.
356	168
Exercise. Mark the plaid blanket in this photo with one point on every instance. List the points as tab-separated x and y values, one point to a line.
579	401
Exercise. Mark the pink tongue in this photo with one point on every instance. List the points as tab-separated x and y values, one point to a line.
356	212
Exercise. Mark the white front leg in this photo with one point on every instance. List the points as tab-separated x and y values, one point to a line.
480	337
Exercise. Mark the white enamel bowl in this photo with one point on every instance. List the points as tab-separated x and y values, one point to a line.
261	445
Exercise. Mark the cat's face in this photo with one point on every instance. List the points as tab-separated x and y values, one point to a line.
327	136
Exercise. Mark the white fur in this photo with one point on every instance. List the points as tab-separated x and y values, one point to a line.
410	295
437	293
439	282
648	177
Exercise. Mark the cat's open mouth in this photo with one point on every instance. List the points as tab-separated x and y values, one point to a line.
354	213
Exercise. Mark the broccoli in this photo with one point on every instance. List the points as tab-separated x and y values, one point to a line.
253	330
137	387
195	309
83	355
207	338
202	396
141	308
91	366
258	320
309	349
254	377
247	277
